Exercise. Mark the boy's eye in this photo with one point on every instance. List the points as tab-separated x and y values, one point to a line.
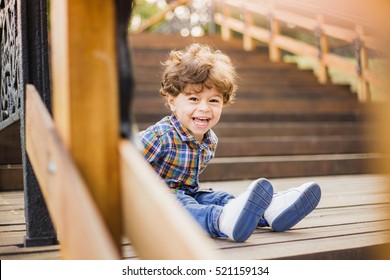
193	99
214	100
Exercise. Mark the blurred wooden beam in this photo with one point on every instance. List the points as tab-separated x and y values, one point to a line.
82	231
85	97
153	220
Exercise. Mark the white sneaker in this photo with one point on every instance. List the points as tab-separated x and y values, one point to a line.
289	207
241	215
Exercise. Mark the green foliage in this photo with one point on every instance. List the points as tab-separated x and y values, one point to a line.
144	9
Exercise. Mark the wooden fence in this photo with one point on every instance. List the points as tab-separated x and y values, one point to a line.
263	20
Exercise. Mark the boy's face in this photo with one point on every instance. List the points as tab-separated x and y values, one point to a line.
198	112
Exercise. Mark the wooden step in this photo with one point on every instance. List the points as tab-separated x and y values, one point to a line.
260	78
10	147
287	116
147	104
146	53
289	129
173	41
245	129
352	217
11	171
238	168
150	83
149	62
11	177
293	145
304	116
263	74
303	91
266	93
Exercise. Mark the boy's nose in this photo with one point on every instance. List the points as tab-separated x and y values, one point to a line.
204	106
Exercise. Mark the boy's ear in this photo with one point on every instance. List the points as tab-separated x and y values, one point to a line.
171	102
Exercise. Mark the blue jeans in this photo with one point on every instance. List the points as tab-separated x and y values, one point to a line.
205	207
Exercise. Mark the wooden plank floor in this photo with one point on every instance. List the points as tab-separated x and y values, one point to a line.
352	219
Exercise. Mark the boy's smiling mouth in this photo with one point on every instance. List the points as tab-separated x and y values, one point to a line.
201	121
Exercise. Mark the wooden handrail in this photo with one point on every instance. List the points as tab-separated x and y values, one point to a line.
317	18
82	231
330	8
153	219
80	162
85	97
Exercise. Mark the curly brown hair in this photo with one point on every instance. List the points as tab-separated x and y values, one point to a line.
196	67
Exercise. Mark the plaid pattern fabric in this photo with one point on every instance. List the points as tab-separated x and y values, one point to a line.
175	154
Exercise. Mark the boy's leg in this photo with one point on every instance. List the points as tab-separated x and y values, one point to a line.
209	197
206	215
289	207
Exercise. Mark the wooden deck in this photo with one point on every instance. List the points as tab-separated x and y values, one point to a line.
351	222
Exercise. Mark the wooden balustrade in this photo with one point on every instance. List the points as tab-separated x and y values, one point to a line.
153	220
92	182
83	233
319	19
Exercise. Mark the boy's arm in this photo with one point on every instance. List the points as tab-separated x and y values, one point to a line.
152	146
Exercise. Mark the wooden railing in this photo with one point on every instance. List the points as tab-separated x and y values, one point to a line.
322	21
147	207
97	186
262	20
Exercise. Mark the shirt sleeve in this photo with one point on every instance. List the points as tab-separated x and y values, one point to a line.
153	148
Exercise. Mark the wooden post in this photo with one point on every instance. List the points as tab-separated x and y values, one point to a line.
155	222
323	46
274	51
247	39
323	76
225	31
379	12
363	87
83	233
85	101
364	91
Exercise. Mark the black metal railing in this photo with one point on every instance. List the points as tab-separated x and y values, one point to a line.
11	80
24	59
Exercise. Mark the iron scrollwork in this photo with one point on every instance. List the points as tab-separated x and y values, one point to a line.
10	82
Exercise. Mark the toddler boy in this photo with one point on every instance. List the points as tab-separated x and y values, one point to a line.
197	82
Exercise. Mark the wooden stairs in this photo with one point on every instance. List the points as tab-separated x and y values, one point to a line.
283	123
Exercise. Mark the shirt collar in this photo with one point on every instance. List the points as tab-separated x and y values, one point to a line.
186	135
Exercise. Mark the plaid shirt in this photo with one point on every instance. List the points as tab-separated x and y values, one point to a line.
175	154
